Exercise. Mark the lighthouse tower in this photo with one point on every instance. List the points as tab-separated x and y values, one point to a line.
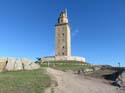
63	37
62	42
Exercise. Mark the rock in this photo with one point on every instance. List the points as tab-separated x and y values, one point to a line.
26	64
120	83
13	64
88	70
117	77
97	67
123	78
3	62
18	65
35	66
117	84
10	64
29	64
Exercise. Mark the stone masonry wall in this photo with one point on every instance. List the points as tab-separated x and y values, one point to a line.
63	58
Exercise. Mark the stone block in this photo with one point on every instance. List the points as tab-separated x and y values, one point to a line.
123	78
35	66
29	64
10	65
3	62
18	65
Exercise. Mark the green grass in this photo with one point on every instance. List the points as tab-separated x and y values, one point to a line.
70	67
24	81
67	65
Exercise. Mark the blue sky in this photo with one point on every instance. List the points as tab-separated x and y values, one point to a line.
97	27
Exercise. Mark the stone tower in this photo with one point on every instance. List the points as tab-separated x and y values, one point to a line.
63	41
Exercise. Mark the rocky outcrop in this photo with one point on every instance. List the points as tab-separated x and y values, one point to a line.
3	62
14	64
29	65
123	78
117	77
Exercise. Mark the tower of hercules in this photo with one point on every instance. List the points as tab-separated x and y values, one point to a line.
63	38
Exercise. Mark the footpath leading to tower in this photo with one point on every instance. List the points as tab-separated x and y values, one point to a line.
71	83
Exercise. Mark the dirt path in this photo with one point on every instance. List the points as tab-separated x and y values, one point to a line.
71	83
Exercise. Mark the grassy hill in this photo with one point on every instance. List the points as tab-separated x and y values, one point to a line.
24	81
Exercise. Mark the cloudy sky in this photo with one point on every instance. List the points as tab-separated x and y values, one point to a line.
97	27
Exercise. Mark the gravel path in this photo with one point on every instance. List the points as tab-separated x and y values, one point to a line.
71	83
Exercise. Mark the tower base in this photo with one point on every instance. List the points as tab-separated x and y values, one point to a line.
62	58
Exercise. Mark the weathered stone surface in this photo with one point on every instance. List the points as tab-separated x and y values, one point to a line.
63	58
63	36
18	65
35	66
117	77
123	77
29	64
88	70
13	64
2	64
26	64
10	64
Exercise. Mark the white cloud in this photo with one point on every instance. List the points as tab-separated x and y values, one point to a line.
76	32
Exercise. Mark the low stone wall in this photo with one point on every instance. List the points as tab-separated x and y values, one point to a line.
63	58
14	64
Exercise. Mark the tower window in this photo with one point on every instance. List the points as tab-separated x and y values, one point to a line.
63	53
62	34
63	47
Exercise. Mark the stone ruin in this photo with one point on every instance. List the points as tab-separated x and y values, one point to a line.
14	64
